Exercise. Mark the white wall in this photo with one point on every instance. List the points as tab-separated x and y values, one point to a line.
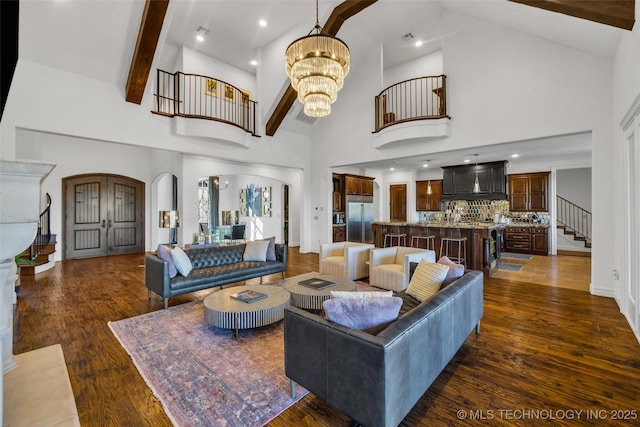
575	186
626	91
428	65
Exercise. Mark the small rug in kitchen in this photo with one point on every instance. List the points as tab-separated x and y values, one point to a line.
201	374
512	255
510	267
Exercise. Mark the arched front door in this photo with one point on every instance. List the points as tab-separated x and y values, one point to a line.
104	215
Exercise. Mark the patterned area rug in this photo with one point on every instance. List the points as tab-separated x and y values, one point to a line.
201	374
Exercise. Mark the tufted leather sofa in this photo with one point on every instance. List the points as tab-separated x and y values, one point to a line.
213	266
377	379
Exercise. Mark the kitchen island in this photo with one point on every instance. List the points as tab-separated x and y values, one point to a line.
482	246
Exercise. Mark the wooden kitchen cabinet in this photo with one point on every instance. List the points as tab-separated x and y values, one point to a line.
539	241
339	233
459	182
428	202
517	239
528	192
338	193
358	185
526	240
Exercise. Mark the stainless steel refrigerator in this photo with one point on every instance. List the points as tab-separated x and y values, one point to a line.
359	217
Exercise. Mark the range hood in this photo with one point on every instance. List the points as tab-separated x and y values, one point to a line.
458	181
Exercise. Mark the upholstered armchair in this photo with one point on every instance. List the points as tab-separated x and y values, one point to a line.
389	267
345	259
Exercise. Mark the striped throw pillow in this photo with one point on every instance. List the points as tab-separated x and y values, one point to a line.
256	251
426	280
181	261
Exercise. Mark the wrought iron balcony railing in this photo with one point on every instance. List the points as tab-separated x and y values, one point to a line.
202	97
415	99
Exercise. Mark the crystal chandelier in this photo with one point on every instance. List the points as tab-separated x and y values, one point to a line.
317	65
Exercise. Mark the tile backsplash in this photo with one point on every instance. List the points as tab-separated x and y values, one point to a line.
482	211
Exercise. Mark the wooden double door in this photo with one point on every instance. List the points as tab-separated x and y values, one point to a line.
104	215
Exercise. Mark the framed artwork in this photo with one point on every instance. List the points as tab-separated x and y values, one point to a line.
246	97
211	87
228	93
242	201
253	201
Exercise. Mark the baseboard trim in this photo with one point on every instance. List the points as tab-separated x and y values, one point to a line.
573	253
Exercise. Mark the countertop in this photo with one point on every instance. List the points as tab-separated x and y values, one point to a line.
468	225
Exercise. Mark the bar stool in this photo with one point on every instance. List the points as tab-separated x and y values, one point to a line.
394	233
424	234
448	246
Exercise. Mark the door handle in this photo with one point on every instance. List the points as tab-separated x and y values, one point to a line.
109	224
103	221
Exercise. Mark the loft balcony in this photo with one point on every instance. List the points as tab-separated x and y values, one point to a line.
412	109
194	96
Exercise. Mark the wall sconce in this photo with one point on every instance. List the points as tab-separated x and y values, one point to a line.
216	182
171	220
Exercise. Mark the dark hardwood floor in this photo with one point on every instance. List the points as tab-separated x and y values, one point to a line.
543	355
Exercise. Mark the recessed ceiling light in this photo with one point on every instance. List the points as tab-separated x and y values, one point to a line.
200	33
514	155
262	23
426	165
467	160
392	168
418	43
254	62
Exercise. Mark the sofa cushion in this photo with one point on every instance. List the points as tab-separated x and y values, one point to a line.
455	270
366	314
364	294
256	251
271	250
427	279
181	261
164	253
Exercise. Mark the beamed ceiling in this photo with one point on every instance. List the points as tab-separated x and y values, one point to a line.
616	13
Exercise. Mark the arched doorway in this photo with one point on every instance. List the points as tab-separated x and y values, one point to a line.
104	215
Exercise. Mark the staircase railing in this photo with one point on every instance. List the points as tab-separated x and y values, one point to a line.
574	218
202	97
43	236
414	99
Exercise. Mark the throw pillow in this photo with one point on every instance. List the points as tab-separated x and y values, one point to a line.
271	250
365	294
164	253
427	279
456	271
256	251
366	314
181	261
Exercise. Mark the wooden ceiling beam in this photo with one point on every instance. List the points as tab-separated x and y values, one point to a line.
341	13
617	13
148	35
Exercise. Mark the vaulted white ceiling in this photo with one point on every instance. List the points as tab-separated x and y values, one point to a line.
96	38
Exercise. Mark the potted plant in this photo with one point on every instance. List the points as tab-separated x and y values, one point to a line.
19	262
